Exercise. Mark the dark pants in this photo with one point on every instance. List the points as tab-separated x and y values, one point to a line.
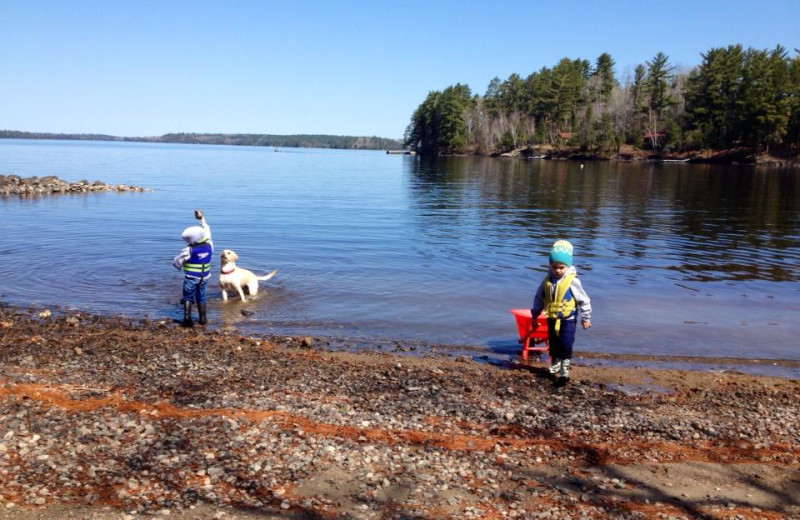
194	290
561	343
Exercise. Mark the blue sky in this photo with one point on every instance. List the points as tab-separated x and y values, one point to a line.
146	67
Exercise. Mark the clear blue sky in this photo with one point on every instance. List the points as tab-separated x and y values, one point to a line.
149	67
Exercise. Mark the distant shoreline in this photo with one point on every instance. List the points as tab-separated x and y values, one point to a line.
340	142
731	157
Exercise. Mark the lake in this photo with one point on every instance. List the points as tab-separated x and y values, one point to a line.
678	259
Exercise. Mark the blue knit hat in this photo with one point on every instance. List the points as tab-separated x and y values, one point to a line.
562	253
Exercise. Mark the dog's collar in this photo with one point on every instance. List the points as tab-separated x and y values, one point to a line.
228	272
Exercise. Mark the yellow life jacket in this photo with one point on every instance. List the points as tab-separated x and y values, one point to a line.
558	302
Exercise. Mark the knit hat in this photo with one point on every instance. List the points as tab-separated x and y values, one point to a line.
562	253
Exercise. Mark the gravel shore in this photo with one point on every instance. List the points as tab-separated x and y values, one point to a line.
113	418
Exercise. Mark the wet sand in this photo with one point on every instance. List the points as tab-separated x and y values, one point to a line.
113	418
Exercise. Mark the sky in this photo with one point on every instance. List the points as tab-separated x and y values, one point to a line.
140	68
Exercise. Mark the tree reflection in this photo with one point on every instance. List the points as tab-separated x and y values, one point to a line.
694	222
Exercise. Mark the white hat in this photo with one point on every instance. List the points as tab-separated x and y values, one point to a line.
194	235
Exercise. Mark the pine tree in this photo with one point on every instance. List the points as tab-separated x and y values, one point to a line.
712	97
793	97
604	70
765	107
659	75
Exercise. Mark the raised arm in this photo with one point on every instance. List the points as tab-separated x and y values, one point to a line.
198	214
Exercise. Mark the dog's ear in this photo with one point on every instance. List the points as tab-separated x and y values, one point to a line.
234	255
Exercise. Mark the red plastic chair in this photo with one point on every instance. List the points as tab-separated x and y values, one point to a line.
532	338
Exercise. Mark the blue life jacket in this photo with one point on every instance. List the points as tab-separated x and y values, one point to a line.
199	263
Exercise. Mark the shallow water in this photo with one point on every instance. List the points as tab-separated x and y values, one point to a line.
678	259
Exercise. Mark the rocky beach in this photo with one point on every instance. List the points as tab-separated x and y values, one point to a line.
112	418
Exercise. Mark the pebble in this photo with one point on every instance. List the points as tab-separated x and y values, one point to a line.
221	426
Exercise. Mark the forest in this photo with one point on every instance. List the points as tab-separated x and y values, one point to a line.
735	98
290	141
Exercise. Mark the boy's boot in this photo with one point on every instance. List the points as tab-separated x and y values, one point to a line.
187	314
555	366
201	311
565	369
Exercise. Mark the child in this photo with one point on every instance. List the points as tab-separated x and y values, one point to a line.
561	296
195	260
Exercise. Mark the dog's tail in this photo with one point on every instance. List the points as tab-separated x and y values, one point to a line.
267	277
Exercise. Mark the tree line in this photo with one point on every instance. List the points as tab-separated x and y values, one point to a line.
734	98
289	141
346	142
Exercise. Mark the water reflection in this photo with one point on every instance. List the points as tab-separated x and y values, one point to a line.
678	259
693	223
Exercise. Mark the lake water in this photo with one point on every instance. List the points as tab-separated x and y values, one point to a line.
678	259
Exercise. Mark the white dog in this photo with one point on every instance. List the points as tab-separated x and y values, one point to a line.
232	278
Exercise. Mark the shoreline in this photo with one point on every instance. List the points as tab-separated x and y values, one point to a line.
502	358
111	418
732	157
627	153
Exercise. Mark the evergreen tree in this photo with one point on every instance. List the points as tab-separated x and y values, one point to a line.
422	134
569	78
541	102
793	96
492	98
765	107
439	124
604	71
636	123
511	94
455	101
733	97
638	87
659	75
712	97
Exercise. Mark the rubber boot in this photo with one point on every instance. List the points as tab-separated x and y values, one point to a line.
187	314
555	366
565	369
201	311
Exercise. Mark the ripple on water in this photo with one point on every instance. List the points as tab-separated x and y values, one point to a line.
681	260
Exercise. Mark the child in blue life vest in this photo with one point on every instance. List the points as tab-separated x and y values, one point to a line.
562	298
195	260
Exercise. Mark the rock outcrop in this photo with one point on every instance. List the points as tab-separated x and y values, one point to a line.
32	186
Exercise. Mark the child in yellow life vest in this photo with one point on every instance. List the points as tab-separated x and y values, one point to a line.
562	298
